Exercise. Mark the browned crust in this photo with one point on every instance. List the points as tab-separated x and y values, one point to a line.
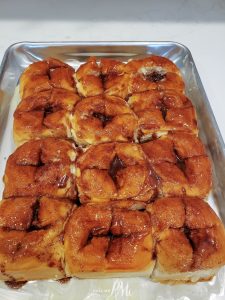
172	235
41	167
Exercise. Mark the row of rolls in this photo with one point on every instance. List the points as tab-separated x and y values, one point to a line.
106	102
109	178
109	171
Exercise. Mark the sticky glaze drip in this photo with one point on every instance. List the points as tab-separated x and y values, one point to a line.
103	118
115	166
64	280
155	76
15	284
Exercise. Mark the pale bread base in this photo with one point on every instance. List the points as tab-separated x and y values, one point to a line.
114	274
28	272
182	277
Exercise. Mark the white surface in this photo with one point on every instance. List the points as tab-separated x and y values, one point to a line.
199	24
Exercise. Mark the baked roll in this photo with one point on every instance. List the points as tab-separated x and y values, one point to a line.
31	238
93	78
103	119
181	165
190	240
45	75
116	78
103	240
139	204
114	171
151	73
173	240
42	168
44	114
88	79
161	111
154	72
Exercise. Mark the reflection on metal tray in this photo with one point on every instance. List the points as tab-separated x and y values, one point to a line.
19	56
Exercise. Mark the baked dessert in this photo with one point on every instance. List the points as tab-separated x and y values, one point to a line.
159	112
190	240
178	240
42	168
116	78
171	239
153	87
48	97
45	75
154	72
114	171
88	79
44	114
180	164
31	238
123	196
110	239
103	118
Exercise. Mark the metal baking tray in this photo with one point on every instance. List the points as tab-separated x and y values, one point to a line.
19	56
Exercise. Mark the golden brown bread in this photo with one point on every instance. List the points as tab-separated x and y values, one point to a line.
45	75
109	240
41	167
180	164
103	119
154	72
167	166
190	238
151	73
48	97
31	241
88	79
114	78
114	171
118	79
171	239
44	114
114	231
108	171
153	86
161	111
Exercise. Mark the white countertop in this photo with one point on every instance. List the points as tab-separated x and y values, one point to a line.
200	25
